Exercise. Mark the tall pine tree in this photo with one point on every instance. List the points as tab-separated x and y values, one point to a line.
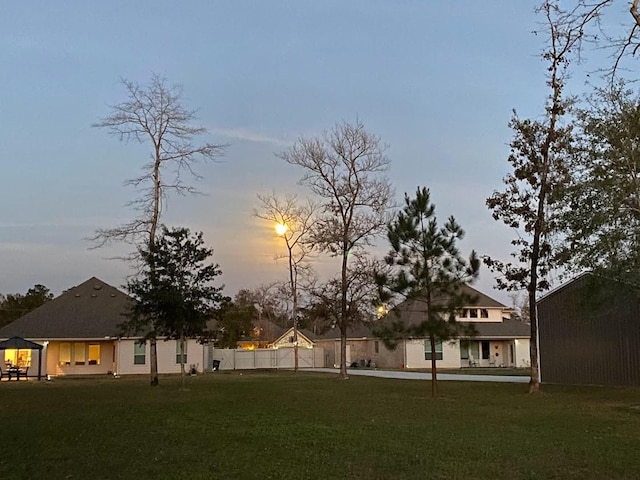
428	272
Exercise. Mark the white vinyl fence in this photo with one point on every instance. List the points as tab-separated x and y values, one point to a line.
230	359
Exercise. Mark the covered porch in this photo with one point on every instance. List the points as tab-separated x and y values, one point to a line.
18	356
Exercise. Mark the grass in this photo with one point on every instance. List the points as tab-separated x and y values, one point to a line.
314	426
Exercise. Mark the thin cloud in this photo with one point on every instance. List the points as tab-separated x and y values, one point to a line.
249	135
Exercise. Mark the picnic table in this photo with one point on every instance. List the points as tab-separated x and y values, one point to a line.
17	372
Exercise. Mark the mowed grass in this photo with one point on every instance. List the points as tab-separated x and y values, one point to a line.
282	425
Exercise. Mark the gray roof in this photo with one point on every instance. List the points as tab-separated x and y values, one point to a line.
92	310
413	311
353	332
506	329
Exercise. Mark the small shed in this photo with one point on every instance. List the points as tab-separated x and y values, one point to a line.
589	333
19	343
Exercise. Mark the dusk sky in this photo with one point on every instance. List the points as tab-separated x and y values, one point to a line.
436	80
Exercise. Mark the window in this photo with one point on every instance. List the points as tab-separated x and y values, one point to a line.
376	346
20	358
464	349
64	357
139	353
427	350
181	355
485	350
94	354
473	313
484	313
79	354
464	313
474	353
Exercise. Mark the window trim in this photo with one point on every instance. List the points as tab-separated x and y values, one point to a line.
137	355
427	350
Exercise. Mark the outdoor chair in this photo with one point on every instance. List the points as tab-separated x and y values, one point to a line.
472	361
22	372
4	374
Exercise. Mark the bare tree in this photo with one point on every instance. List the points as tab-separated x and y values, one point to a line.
325	298
621	42
154	114
345	168
293	221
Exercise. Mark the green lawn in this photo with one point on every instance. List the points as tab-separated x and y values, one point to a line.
312	425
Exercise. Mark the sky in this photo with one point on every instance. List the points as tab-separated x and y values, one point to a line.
436	80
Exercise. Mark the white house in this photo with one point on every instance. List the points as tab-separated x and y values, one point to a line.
80	334
499	340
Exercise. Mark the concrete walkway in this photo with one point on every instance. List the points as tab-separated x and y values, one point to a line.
405	375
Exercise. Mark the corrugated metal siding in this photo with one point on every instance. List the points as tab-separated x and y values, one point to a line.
590	334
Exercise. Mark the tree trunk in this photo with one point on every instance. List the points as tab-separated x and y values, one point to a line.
343	354
182	351
153	350
534	382
343	315
153	361
434	370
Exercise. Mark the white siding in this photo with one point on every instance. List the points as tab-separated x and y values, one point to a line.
522	354
166	357
415	355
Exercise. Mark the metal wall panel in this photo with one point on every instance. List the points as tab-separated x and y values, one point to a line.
589	334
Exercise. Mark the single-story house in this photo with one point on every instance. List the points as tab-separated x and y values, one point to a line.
499	341
80	334
589	333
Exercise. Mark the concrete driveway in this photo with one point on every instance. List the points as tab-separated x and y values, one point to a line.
404	375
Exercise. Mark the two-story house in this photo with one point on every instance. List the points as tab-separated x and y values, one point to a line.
499	341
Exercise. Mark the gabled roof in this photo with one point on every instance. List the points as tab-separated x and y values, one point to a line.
91	310
413	311
307	334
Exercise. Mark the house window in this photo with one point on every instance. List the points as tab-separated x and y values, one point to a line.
94	354
139	353
473	313
464	313
484	313
181	354
64	357
376	346
427	350
464	349
79	354
485	350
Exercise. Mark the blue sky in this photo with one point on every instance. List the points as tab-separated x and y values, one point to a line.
435	80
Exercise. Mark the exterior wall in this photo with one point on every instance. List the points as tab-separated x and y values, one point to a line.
362	349
589	333
522	355
117	356
495	315
51	361
196	355
415	355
